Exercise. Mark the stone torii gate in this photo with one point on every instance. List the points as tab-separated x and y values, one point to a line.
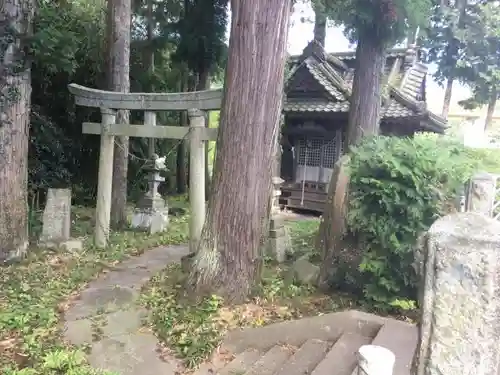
195	103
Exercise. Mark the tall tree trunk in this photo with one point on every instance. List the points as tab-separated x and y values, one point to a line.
181	172
151	66
119	13
366	98
364	120
319	27
491	109
447	96
15	84
228	257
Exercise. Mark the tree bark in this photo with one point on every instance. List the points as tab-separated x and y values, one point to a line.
366	98
364	120
119	14
319	27
228	259
332	228
447	96
151	66
491	109
181	172
15	84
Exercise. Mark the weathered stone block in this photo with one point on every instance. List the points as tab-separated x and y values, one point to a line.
481	193
304	271
460	292
57	216
279	242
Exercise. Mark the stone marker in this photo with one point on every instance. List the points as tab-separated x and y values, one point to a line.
481	193
304	272
57	216
279	239
459	328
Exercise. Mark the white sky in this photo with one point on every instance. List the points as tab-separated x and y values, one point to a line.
301	33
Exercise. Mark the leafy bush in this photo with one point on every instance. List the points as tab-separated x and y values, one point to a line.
398	188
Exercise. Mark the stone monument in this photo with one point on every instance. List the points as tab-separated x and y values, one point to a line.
151	213
481	193
279	240
57	221
459	265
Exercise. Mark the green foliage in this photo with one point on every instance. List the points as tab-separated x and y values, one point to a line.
440	39
399	187
385	21
480	60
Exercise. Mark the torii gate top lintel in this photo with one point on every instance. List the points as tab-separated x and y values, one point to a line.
204	100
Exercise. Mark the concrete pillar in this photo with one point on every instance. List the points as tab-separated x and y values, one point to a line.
105	179
196	176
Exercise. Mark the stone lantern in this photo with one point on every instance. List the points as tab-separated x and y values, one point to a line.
151	213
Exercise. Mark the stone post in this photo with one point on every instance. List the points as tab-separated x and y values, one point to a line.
105	179
459	327
196	176
375	360
481	193
279	240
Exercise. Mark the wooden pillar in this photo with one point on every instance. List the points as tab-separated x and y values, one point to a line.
150	120
105	179
196	176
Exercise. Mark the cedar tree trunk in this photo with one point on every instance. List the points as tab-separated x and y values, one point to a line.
319	27
366	98
491	109
228	258
119	14
447	96
364	120
15	83
151	66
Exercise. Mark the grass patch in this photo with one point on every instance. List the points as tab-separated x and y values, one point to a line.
34	292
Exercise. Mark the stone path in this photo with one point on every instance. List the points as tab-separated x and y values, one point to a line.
107	318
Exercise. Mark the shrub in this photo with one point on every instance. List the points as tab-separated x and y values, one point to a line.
398	188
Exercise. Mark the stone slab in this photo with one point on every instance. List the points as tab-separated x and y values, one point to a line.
56	216
78	332
124	322
304	360
342	355
460	324
134	354
271	361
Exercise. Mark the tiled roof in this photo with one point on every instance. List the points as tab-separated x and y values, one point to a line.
336	78
319	72
315	105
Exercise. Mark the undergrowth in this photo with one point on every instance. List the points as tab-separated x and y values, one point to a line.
34	292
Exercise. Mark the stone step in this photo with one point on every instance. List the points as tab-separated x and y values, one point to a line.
401	338
328	327
304	360
272	361
241	363
341	359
